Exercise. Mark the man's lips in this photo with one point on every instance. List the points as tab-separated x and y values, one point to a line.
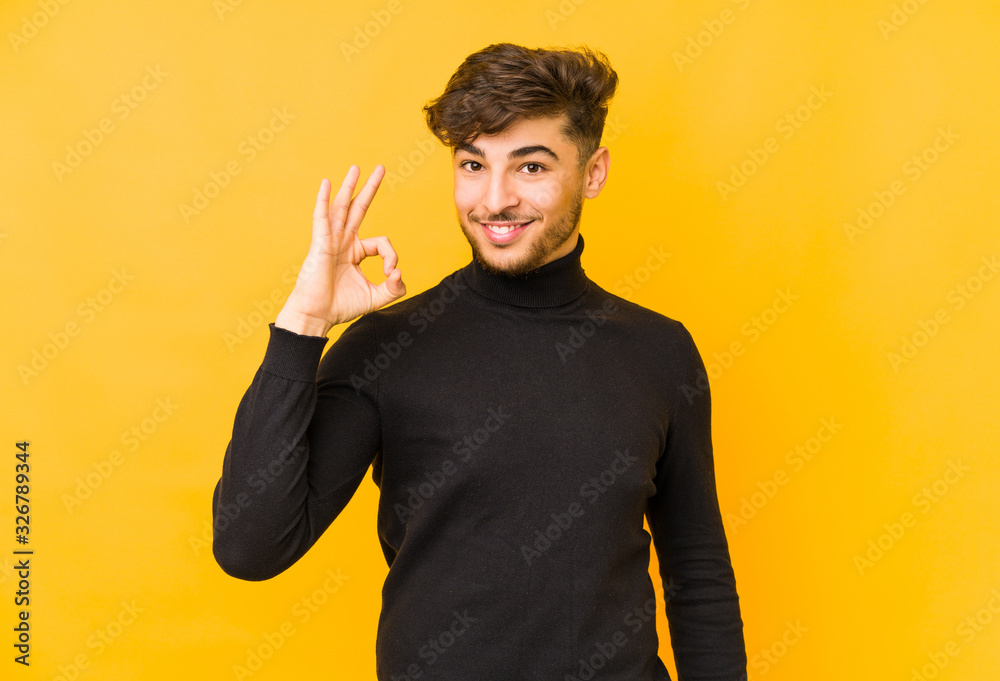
504	232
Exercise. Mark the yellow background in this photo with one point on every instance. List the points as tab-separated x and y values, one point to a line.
679	122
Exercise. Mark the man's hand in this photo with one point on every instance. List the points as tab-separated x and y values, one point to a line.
330	288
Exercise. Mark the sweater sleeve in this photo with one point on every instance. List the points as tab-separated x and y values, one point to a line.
702	606
304	436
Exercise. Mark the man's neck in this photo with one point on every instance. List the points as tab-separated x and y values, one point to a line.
555	283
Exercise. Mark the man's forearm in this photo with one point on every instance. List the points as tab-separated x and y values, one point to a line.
262	491
303	439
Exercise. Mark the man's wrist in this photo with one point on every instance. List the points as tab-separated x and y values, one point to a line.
304	325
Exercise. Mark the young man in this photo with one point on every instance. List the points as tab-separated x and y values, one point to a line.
520	421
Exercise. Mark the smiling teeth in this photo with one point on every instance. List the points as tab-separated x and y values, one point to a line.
502	230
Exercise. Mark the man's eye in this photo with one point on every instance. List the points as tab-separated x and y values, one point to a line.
474	166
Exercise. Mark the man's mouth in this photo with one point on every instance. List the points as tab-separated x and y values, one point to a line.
504	232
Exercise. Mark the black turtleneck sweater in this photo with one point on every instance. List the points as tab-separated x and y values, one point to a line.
519	430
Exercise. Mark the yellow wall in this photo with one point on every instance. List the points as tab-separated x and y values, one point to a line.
861	413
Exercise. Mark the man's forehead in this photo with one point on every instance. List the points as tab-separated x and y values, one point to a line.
526	135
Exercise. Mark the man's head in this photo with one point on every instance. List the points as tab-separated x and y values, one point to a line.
524	126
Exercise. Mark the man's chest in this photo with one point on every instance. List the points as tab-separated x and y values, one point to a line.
512	419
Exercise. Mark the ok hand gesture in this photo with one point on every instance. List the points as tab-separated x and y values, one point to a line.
330	288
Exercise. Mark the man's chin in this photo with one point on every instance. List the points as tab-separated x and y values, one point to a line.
509	261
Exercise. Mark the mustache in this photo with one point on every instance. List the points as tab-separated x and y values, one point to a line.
502	217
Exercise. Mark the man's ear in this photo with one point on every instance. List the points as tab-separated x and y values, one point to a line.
596	173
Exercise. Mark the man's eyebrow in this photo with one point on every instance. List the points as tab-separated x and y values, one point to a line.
521	152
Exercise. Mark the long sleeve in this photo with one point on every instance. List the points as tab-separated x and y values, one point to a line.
702	607
302	441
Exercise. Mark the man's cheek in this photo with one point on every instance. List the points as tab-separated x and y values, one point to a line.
546	197
463	200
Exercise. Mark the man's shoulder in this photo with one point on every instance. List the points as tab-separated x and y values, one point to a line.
643	318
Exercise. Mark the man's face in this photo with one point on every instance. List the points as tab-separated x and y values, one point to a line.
524	182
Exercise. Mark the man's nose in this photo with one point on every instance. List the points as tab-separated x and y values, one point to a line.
500	194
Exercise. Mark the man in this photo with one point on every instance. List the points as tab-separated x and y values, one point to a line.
520	421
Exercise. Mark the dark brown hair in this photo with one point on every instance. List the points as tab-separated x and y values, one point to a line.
500	84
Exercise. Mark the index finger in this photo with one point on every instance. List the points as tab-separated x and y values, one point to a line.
359	206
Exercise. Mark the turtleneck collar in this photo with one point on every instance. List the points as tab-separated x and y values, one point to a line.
553	284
